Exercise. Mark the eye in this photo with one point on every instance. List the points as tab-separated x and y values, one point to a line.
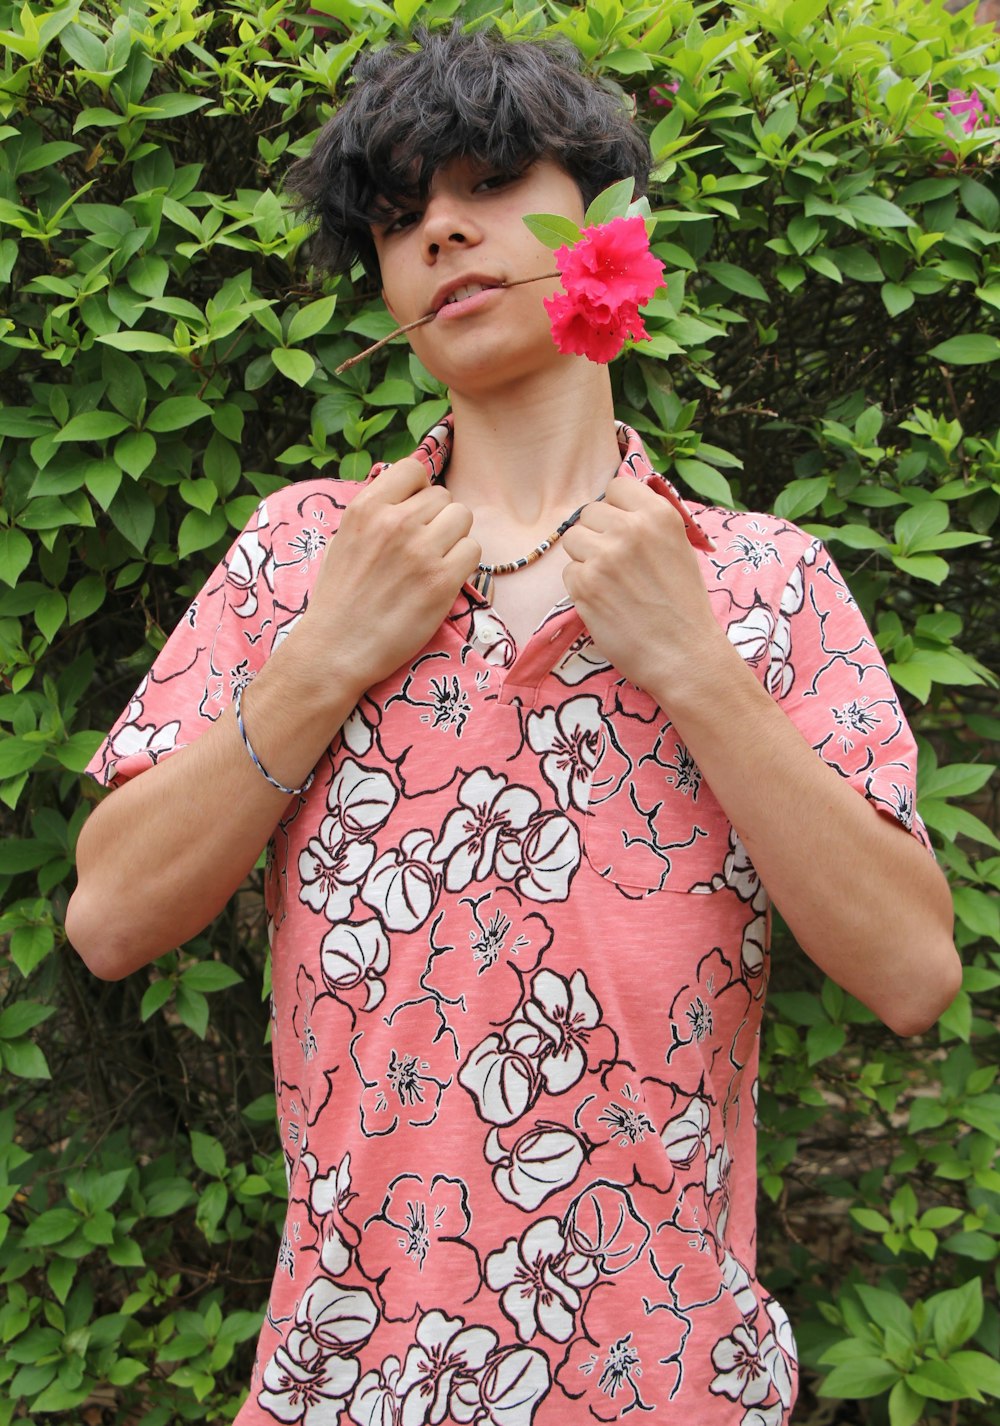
499	180
399	222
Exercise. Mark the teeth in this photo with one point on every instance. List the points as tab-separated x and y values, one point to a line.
460	293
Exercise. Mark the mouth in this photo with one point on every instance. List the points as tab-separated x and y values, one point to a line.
463	292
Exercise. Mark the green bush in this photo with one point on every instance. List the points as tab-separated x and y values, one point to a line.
827	347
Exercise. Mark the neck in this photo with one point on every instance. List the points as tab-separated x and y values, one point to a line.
531	456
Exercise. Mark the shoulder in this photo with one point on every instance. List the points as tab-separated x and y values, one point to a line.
315	500
755	547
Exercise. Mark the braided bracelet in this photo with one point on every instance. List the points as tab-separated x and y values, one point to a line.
289	791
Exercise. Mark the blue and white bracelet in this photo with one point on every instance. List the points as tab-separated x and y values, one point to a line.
288	791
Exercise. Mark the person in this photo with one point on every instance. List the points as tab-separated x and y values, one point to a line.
518	844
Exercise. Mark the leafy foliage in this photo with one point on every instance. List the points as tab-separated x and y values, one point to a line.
827	347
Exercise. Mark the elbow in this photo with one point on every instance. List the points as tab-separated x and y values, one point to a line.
928	995
93	940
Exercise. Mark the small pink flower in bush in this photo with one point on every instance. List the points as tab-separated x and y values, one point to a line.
660	93
969	108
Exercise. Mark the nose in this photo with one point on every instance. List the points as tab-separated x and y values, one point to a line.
448	223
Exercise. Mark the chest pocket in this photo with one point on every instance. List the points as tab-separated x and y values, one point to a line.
652	823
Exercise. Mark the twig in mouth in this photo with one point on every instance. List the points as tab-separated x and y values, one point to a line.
427	317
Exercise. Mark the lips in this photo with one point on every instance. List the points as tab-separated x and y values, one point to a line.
461	289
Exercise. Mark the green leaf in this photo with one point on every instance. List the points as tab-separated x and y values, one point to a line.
928	518
736	279
17	756
53	1226
970	349
822	1041
134	452
930	567
310	320
133	513
199	530
208	1154
939	1381
15	555
139	342
956	1315
799	497
868	1376
17	1019
24	1058
611	203
50	613
92	426
878	212
897	298
192	1008
208	976
177	412
298	366
154	997
705	480
905	1405
552	230
977	1370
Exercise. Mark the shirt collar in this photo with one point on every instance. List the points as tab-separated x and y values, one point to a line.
435	452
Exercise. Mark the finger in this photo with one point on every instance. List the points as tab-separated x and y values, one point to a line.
448	527
399	481
596	516
581	544
624	492
463	558
426	504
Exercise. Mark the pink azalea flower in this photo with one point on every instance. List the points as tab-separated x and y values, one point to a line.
607	275
660	93
969	108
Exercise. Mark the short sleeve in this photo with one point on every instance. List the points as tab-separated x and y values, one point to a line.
219	645
829	677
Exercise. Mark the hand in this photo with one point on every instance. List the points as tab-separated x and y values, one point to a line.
637	584
390	574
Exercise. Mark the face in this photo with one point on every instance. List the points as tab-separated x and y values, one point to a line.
449	253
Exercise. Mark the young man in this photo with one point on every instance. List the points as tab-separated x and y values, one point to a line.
519	848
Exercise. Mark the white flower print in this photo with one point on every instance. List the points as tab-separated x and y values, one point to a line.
336	1316
357	733
360	799
470	836
376	1397
330	868
751	635
329	1195
508	1389
741	1372
542	1161
686	1133
302	1383
353	953
717	1182
539	1280
250	561
543	860
737	1282
566	1013
778	1349
402	886
568	739
765	1416
132	737
444	1347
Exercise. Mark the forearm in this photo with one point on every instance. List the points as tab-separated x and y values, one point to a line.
862	897
160	857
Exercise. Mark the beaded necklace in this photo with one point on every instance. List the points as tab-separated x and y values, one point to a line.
482	580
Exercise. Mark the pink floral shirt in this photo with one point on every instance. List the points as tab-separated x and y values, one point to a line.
519	961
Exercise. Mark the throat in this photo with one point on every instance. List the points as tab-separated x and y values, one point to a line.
522	600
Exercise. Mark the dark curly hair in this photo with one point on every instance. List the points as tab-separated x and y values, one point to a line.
504	103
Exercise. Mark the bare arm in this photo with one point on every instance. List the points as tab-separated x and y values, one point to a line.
863	898
156	861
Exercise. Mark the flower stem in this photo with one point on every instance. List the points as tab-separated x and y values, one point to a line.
427	317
